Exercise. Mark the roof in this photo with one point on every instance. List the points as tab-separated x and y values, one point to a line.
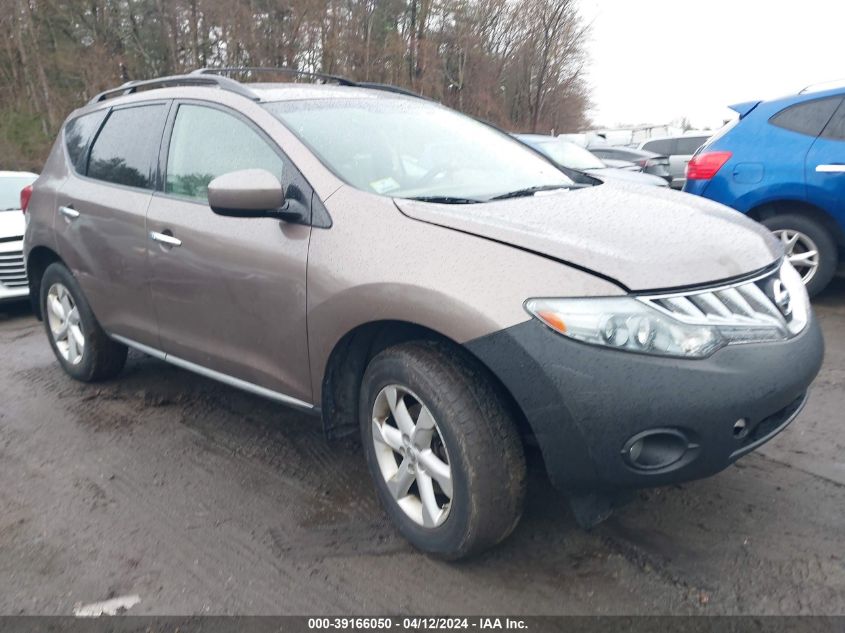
298	91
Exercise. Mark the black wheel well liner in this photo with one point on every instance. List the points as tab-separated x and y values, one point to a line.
36	263
799	207
351	355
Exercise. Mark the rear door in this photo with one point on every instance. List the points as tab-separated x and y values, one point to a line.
229	292
825	167
100	227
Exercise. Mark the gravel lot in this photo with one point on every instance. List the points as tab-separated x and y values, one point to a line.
202	499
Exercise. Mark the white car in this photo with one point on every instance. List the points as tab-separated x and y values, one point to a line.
13	281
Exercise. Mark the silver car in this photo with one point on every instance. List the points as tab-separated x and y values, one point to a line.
13	281
679	149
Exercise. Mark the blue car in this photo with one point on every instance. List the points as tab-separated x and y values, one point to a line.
783	163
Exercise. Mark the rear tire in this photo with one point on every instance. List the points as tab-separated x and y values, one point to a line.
81	346
470	434
800	235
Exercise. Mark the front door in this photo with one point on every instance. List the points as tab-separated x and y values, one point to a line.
229	293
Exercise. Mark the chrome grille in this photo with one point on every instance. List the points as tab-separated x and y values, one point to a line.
753	302
12	270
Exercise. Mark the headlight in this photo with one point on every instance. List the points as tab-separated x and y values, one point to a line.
625	323
691	325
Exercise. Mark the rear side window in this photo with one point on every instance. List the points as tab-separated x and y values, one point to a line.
664	147
78	134
835	130
807	118
687	145
207	143
126	150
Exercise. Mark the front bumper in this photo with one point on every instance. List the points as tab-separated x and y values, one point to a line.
586	405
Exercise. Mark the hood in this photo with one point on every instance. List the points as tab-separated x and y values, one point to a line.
12	224
635	177
644	238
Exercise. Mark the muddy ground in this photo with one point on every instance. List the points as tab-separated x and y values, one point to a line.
202	499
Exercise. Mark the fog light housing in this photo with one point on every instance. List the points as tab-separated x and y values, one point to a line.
656	449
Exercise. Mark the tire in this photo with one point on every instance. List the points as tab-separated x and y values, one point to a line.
473	436
99	357
828	253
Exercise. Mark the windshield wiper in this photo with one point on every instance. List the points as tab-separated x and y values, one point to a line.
446	199
530	191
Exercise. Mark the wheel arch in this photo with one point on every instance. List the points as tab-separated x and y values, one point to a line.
39	258
341	384
799	207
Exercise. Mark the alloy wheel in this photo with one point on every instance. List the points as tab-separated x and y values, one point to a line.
801	252
65	326
412	456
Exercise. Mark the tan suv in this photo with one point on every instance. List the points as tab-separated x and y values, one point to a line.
417	276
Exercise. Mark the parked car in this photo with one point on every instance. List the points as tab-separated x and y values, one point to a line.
569	155
13	282
648	162
679	149
418	277
782	162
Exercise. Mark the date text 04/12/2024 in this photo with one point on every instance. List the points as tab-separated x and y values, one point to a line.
417	623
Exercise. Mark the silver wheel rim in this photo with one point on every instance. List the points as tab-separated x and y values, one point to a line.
65	327
801	251
412	456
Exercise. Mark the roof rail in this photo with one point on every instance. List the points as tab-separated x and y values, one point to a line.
343	81
131	87
211	77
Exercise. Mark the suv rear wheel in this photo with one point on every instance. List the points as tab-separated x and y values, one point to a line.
83	349
809	248
443	451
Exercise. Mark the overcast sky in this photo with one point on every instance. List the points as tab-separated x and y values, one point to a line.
652	61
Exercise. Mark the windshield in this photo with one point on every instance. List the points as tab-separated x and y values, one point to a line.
412	148
569	155
10	191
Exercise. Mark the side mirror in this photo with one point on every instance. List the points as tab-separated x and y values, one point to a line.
248	193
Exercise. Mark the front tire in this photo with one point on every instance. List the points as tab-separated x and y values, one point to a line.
443	451
809	248
81	346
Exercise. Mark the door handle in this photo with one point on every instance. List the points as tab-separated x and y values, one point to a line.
164	238
69	212
830	169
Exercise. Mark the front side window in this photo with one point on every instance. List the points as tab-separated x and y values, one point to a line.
125	151
207	143
78	134
808	117
412	148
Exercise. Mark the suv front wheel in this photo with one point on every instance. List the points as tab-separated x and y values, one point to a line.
83	349
445	455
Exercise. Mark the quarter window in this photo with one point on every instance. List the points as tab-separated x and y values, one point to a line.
126	150
809	117
78	133
207	143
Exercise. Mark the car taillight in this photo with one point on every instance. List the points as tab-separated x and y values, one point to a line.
704	166
26	194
